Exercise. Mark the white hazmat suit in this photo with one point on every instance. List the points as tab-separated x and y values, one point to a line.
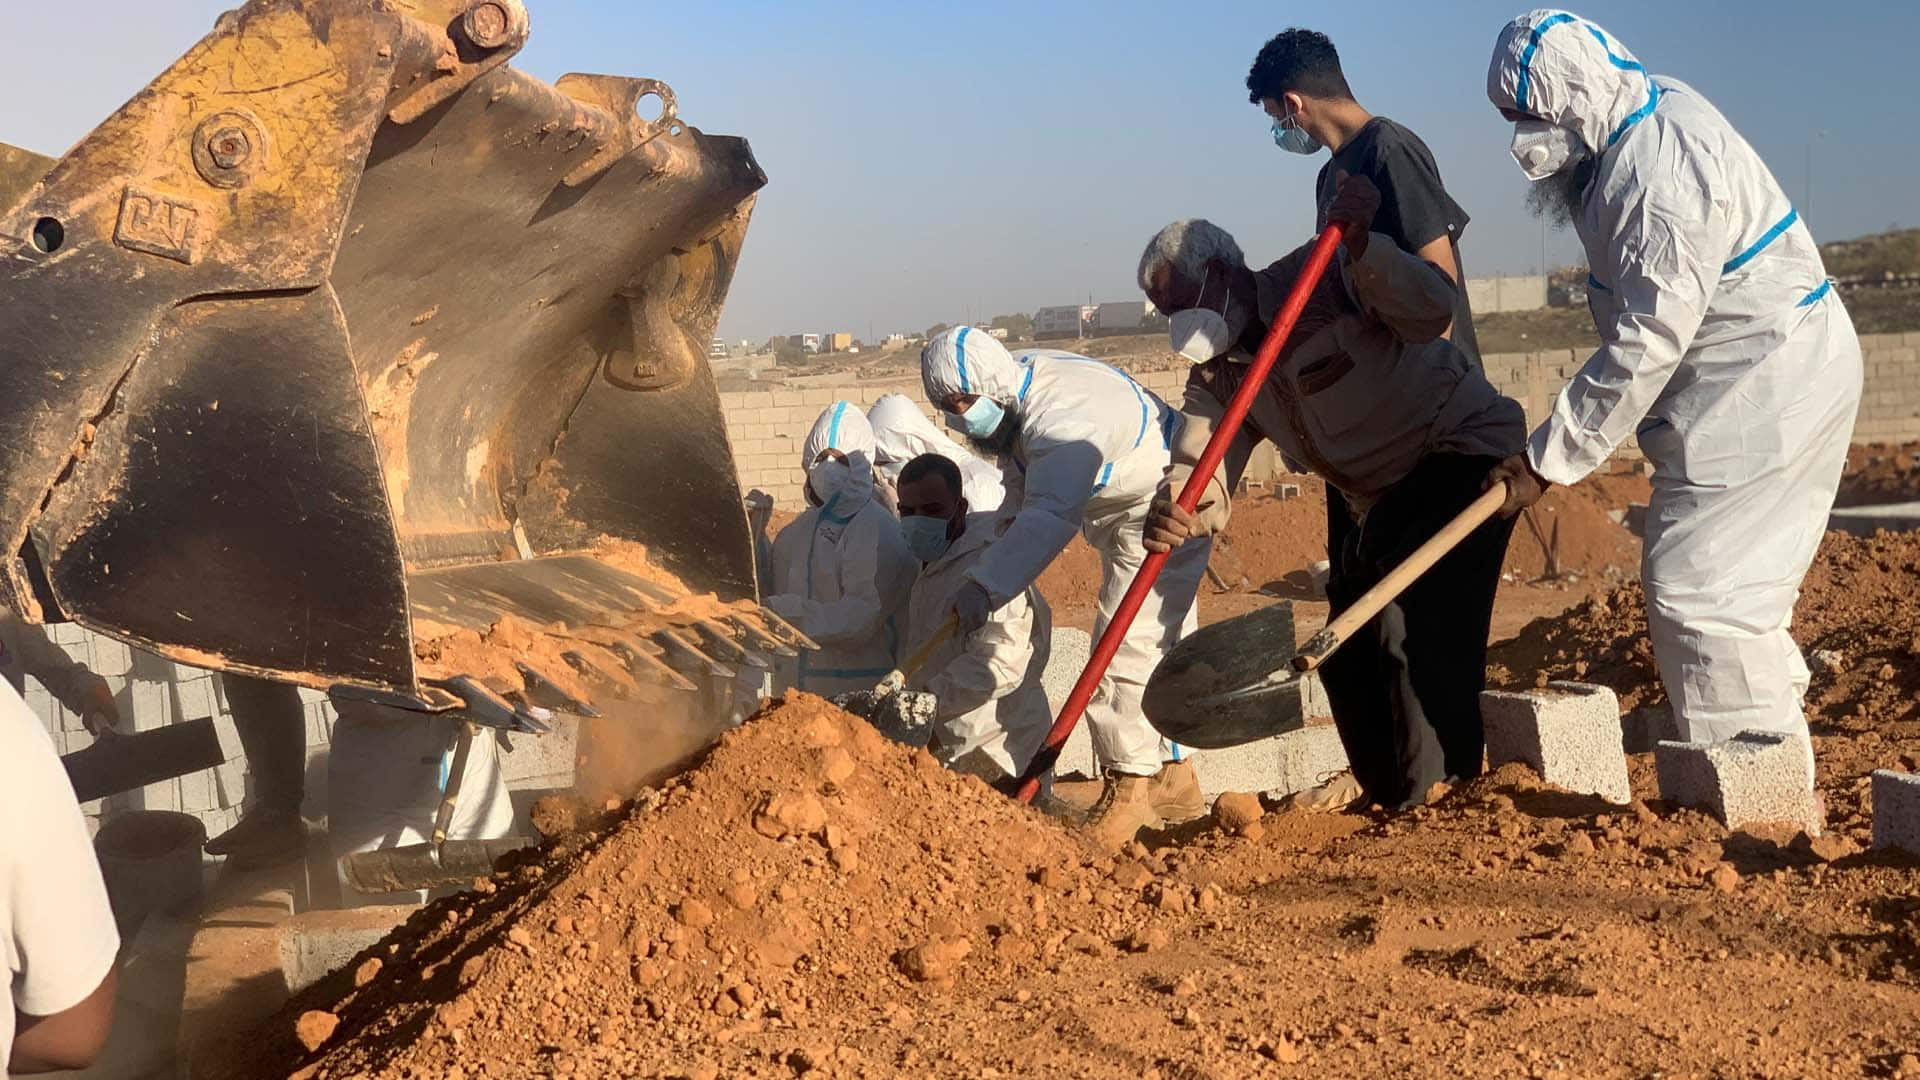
901	432
841	571
991	701
1724	350
1087	457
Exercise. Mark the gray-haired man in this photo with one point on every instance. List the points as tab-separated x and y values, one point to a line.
1367	394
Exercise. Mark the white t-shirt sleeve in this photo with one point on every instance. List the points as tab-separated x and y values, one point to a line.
59	931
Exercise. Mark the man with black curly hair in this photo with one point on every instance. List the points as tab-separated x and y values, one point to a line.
1298	81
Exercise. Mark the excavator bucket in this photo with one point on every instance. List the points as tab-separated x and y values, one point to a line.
347	355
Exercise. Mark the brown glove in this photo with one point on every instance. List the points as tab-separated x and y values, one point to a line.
1168	526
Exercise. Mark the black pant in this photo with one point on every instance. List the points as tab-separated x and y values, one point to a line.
272	725
1405	689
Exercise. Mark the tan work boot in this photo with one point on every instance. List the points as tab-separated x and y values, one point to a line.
1125	807
1175	793
1334	794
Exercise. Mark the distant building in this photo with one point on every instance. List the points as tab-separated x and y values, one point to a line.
1054	323
1120	317
837	342
999	332
1525	292
804	342
717	350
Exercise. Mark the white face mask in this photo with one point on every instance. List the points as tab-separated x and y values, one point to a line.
1201	333
1543	149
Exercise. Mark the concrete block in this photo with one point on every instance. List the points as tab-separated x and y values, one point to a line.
111	658
1896	810
193	698
151	704
77	739
230	784
42	704
1568	732
1644	728
1756	777
66	633
197	792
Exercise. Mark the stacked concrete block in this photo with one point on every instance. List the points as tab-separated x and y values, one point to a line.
1568	732
1754	778
1896	810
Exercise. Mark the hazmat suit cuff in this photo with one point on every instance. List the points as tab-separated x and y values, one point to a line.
1559	457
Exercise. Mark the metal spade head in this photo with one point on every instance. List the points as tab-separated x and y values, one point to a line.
1230	683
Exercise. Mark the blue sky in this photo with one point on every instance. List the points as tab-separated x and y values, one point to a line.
929	163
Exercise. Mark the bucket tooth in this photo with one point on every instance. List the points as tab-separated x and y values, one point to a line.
488	709
715	638
599	672
542	687
643	659
787	631
759	639
687	658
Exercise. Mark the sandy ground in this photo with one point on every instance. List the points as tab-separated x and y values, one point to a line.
811	900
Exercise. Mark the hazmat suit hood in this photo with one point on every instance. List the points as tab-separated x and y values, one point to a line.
841	427
1565	70
968	361
901	432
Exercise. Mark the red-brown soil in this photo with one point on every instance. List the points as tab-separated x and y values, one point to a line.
1880	473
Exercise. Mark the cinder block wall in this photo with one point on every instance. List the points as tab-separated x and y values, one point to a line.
153	692
768	428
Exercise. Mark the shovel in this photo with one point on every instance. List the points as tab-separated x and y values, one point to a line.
1218	687
899	713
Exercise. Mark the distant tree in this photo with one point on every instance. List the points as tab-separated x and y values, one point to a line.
1018	327
936	328
787	354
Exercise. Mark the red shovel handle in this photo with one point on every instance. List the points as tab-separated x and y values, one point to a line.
1216	451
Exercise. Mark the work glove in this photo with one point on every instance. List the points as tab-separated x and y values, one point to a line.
1355	202
1524	486
787	606
971	607
1168	526
759	509
99	713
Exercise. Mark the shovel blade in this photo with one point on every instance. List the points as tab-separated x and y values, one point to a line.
1229	683
426	866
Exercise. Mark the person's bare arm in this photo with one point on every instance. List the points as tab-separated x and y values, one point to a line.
69	1039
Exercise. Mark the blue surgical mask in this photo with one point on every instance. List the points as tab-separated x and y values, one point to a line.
1289	136
981	419
926	537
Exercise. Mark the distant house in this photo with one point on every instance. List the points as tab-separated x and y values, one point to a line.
1120	317
836	342
1055	323
999	333
1525	292
717	350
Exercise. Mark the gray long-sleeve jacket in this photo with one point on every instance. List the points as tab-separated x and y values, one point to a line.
25	649
1365	386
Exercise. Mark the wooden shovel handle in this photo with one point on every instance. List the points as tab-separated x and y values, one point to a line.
920	657
1316	651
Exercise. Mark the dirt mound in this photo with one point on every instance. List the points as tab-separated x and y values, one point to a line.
1880	473
799	882
1511	929
1580	530
1857	621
